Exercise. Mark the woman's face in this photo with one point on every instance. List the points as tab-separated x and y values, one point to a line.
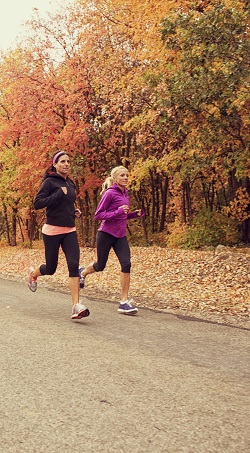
121	178
62	166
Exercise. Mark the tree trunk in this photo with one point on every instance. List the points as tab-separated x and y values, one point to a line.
188	200
153	202
183	204
246	223
94	223
31	226
164	193
13	227
141	203
6	223
20	227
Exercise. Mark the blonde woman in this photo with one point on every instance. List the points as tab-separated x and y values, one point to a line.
113	211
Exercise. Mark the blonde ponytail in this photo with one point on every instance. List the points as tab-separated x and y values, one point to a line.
109	181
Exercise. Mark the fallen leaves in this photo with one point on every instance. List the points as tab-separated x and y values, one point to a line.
211	281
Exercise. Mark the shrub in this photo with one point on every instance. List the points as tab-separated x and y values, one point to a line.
207	229
211	228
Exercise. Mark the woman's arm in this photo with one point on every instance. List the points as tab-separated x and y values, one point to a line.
44	198
136	213
104	210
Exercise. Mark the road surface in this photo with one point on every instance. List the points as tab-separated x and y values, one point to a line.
111	383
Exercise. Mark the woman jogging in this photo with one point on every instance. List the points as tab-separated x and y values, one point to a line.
113	211
57	194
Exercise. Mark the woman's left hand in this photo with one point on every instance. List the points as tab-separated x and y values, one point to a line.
138	212
78	213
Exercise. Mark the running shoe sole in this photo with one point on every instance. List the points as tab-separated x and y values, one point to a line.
81	314
133	311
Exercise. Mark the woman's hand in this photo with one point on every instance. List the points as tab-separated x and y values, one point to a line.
138	212
125	208
78	213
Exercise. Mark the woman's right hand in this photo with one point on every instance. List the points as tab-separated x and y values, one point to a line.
64	189
125	208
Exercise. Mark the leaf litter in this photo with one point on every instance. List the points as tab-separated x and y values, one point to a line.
208	284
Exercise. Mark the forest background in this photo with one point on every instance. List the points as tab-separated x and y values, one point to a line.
160	87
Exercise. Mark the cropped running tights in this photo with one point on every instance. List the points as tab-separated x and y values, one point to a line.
104	243
70	247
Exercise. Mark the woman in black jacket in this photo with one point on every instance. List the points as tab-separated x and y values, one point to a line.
58	195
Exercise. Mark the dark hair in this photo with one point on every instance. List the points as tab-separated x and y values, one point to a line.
56	156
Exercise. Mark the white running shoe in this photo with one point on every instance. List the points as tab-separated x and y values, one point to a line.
79	311
32	282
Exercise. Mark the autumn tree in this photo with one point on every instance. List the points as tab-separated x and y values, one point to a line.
208	97
199	110
159	87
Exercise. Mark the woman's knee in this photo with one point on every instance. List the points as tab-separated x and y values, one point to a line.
48	271
125	267
73	270
99	267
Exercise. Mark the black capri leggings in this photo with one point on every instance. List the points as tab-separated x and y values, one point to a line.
104	243
70	247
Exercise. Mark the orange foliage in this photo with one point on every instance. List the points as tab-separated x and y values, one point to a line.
239	208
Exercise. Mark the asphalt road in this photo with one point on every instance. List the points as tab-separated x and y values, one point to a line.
113	383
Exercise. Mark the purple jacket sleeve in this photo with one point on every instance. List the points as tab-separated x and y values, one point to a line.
133	215
101	211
